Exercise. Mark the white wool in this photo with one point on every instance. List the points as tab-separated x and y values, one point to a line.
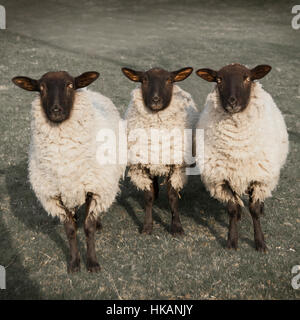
62	157
179	115
242	148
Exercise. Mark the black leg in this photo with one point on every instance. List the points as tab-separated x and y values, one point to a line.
176	227
148	221
156	187
70	228
98	224
90	226
234	212
256	209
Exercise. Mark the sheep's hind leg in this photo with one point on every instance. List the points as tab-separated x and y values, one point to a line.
90	226
234	212
176	227
70	228
256	209
98	224
156	187
149	199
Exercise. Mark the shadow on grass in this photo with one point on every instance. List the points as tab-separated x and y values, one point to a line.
18	282
123	200
129	191
194	200
196	194
25	207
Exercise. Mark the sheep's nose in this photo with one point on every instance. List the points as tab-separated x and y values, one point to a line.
232	101
56	109
155	99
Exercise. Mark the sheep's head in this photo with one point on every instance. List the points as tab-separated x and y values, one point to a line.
234	84
157	85
57	91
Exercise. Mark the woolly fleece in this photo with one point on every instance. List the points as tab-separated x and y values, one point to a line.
243	148
62	157
179	115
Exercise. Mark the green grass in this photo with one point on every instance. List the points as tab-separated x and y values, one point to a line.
64	35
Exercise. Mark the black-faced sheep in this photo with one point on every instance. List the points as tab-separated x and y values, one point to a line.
63	168
245	143
159	110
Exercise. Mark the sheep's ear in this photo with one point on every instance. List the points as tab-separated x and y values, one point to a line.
133	75
85	79
260	71
207	74
182	74
26	83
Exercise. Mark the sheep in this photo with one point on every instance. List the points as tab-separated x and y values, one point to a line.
63	170
162	106
245	143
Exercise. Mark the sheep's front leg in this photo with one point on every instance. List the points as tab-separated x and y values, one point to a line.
256	209
149	199
234	212
70	228
176	227
90	227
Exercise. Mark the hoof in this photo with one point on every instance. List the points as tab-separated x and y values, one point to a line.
98	225
74	266
260	246
147	229
232	244
93	266
177	230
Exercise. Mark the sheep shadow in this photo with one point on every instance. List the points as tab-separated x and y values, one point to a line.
129	191
18	282
196	193
194	200
202	208
26	208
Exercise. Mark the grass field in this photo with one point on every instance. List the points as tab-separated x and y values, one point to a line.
104	36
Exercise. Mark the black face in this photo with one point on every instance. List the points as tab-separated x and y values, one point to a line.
234	84
57	91
157	85
57	95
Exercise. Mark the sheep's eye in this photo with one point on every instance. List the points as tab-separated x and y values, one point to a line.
219	80
70	85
